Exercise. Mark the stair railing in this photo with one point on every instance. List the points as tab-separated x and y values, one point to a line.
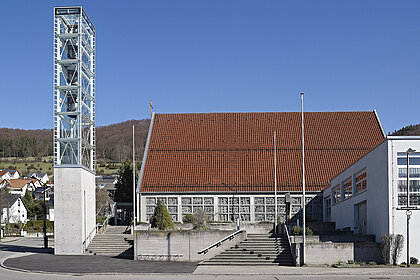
290	243
218	243
103	226
98	227
89	237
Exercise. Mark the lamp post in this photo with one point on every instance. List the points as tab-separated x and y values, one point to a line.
45	214
303	186
408	211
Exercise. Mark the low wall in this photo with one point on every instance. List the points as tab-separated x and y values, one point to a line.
158	245
328	253
321	253
259	228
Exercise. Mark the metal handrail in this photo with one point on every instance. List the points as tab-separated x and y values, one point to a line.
290	244
104	224
218	243
95	229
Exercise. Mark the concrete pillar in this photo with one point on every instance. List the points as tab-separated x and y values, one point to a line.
75	215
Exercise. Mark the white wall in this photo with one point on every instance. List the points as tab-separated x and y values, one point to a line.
376	194
398	223
74	209
381	195
17	212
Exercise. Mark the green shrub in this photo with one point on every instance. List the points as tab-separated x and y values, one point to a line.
161	218
38	225
299	231
413	260
187	219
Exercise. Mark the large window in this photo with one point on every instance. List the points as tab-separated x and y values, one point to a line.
232	208
337	193
170	202
192	205
348	188
361	181
327	202
414	170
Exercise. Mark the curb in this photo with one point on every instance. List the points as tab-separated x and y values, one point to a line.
13	240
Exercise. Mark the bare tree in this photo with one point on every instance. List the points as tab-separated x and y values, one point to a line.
397	246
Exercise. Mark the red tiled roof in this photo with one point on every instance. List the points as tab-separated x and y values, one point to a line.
234	151
2	172
18	183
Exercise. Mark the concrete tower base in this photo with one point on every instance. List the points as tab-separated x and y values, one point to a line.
74	201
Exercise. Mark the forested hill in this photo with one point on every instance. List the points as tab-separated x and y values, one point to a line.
113	142
410	130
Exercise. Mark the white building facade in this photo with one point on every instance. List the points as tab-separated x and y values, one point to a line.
366	197
14	210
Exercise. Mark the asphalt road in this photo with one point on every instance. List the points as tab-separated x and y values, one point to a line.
27	253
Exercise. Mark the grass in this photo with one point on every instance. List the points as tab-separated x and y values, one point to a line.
45	165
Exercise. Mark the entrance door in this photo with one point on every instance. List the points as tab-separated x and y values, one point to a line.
362	218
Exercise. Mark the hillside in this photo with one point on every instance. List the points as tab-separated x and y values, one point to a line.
113	142
410	130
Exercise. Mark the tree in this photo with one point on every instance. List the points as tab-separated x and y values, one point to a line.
161	218
124	185
102	202
35	207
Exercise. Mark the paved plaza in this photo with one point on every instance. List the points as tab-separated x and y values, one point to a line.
24	257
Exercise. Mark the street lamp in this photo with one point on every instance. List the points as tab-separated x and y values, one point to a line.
408	212
45	214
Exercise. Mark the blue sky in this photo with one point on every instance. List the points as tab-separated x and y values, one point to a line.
222	56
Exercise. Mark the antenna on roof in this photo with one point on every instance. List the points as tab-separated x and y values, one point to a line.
151	109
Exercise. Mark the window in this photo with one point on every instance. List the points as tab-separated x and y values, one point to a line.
348	189
414	170
361	182
337	193
170	202
328	207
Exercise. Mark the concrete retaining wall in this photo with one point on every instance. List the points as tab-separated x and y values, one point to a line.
161	244
328	253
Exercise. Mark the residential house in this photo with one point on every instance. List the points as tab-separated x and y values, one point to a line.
13	209
19	186
43	177
5	175
14	174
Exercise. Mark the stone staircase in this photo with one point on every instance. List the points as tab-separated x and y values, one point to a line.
257	249
115	241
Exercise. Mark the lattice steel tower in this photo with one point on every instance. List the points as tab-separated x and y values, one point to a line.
74	129
74	88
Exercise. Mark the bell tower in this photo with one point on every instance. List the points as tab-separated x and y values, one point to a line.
74	130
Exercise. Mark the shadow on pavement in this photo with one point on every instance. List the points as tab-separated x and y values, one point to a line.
95	264
25	249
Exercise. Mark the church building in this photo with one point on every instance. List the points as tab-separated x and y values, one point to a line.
223	163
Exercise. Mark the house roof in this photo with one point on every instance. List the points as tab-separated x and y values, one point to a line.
8	199
235	151
18	183
3	172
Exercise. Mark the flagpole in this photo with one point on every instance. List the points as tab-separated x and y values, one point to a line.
134	184
303	186
275	184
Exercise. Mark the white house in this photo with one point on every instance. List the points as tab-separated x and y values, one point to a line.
43	177
19	186
13	209
365	198
5	175
14	174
